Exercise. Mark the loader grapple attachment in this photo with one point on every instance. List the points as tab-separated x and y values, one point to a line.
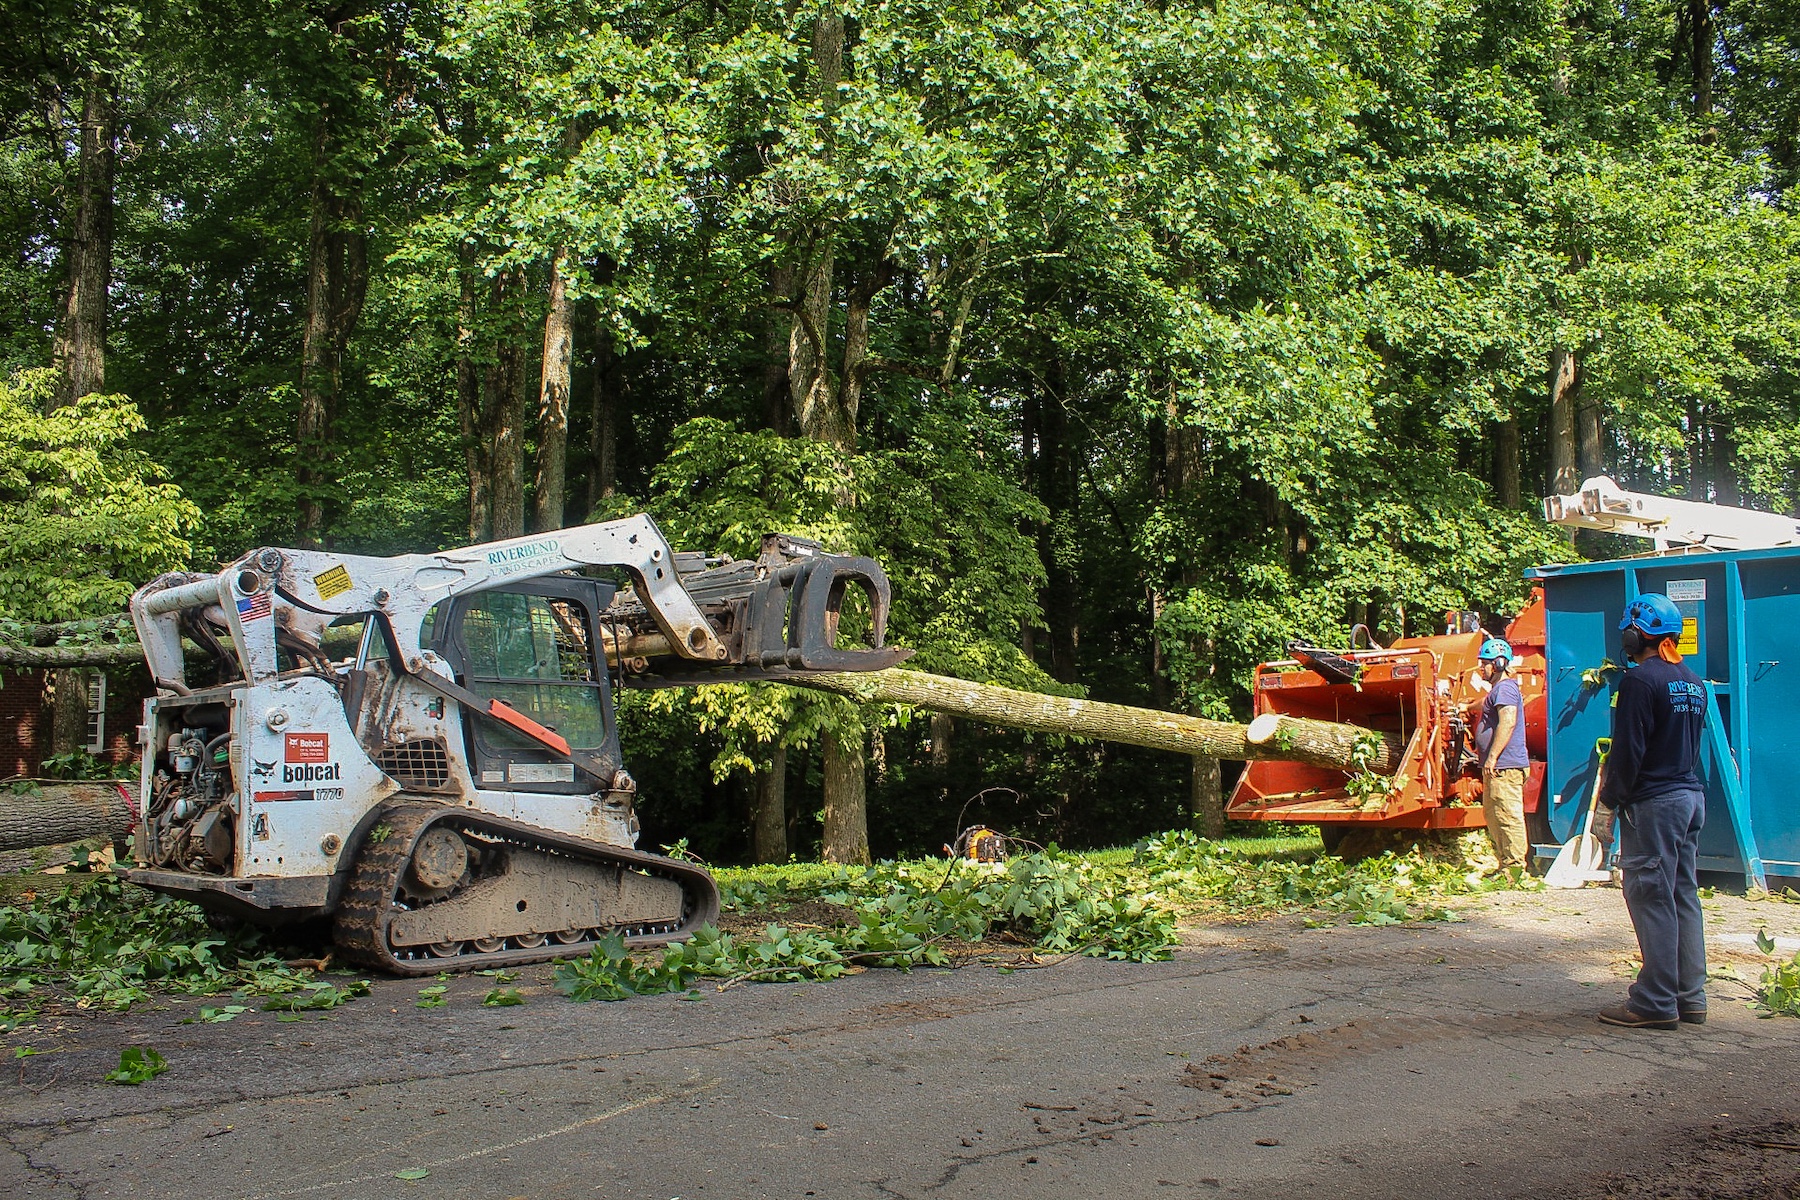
783	613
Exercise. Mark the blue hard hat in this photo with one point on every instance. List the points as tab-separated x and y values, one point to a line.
1653	613
1495	648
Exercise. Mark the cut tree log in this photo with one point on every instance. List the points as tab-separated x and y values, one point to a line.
60	811
56	657
1321	743
1326	743
34	646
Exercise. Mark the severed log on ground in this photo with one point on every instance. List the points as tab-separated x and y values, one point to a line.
1322	743
59	811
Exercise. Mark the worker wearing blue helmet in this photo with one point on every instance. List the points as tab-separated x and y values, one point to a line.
1657	719
1500	741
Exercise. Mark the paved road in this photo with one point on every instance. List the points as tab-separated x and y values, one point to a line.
1265	1060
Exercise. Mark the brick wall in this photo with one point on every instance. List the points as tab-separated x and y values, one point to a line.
25	718
24	722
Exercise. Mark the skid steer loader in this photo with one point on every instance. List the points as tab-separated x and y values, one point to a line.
423	748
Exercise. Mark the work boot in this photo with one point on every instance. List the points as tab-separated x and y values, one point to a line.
1693	1016
1630	1018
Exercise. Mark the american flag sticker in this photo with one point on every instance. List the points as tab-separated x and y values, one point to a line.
252	608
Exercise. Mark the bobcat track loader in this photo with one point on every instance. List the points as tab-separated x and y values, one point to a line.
423	748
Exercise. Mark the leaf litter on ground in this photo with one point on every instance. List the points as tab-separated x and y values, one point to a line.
104	943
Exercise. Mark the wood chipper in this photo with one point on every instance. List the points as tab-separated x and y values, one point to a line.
1419	698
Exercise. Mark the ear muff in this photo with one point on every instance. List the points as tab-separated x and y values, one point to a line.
1632	641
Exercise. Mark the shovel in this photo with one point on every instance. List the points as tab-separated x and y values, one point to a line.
1582	858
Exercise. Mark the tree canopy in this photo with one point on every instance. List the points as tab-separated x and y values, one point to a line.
1135	339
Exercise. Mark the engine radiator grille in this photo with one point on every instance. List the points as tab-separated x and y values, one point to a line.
421	764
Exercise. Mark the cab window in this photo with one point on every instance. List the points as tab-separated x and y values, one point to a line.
534	653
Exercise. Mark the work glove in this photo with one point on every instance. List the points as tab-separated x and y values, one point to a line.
1605	820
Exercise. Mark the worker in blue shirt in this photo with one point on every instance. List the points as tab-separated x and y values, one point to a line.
1658	715
1500	741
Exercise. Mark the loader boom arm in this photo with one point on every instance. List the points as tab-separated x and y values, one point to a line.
273	599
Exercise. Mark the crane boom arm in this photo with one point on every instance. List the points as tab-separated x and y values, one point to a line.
1604	505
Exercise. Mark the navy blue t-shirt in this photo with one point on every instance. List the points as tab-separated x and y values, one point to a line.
1504	694
1657	719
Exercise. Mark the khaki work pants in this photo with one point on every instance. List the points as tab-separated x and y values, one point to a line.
1503	801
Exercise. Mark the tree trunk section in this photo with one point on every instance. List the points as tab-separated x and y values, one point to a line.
553	403
506	408
1206	799
1322	743
846	797
777	348
80	349
814	394
769	827
1565	390
1053	478
337	277
470	421
943	731
1506	463
1593	440
1705	35
1724	466
603	421
59	812
68	711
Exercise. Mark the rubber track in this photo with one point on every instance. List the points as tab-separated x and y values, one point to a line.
360	926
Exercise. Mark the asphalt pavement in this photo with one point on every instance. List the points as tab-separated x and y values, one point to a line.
1266	1059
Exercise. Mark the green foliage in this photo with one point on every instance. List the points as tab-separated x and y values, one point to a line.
316	995
502	998
1363	783
84	516
137	1064
1377	891
1122	906
79	764
111	945
1778	991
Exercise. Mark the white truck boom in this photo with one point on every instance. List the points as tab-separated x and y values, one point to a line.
423	748
1670	524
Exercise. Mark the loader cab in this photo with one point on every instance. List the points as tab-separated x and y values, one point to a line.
536	647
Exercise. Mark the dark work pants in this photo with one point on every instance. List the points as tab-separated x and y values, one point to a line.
1658	841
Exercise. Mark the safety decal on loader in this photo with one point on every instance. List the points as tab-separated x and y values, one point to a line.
332	582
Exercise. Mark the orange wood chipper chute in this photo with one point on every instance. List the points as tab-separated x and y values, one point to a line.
1425	693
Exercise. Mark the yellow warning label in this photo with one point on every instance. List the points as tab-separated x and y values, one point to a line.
1690	636
334	582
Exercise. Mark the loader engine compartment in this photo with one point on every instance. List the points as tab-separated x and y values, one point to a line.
190	823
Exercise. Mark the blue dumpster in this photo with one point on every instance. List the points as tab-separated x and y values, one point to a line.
1741	633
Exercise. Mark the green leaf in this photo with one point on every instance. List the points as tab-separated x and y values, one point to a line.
137	1064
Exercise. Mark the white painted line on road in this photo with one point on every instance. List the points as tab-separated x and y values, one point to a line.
471	1155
